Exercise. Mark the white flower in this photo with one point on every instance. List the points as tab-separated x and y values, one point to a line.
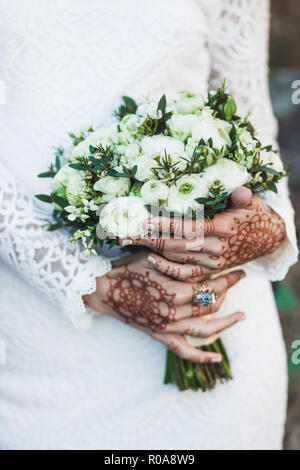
103	136
70	182
160	146
147	109
76	187
246	139
129	153
226	173
188	103
183	194
112	187
144	166
207	127
154	191
130	123
124	217
180	125
272	160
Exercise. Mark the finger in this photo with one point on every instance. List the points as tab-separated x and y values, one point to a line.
201	328
176	226
179	346
241	197
196	310
205	262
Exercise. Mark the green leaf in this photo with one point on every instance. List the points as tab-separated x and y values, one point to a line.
60	201
162	104
268	169
272	187
44	198
77	166
53	227
57	163
115	174
47	174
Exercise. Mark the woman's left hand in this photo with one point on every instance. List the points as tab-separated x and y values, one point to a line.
248	230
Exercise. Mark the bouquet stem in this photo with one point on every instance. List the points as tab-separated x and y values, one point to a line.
189	375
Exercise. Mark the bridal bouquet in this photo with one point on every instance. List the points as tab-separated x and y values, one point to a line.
177	157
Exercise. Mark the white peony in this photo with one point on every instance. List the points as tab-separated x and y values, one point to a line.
183	194
154	191
124	217
180	125
128	154
188	103
144	166
226	173
272	160
112	187
130	123
207	127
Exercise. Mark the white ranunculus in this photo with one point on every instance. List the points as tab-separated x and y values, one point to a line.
76	187
130	123
147	109
112	186
128	154
207	127
188	103
183	194
246	139
226	173
103	136
144	166
154	191
180	125
161	145
124	217
71	182
272	160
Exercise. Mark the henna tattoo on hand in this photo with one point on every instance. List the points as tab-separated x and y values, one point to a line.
140	300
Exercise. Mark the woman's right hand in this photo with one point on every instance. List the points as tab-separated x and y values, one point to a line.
162	307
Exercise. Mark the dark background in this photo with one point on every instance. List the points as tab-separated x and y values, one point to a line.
285	68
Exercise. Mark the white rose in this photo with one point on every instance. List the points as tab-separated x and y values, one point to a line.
226	173
272	160
144	166
183	194
124	217
180	125
207	127
154	191
188	103
112	186
160	146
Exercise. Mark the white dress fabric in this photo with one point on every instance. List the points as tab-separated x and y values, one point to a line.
64	65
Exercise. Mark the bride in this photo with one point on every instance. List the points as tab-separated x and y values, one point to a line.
98	384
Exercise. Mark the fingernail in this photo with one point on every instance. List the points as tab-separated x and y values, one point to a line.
243	274
242	317
150	227
151	259
217	359
126	242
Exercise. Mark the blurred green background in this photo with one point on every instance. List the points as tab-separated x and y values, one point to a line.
285	68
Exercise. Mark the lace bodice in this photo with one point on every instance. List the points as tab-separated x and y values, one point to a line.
54	86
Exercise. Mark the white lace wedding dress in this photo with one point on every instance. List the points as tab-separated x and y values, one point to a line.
63	65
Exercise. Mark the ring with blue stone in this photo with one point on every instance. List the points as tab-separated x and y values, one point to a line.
205	296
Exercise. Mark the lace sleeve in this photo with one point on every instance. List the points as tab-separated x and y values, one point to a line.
239	43
45	259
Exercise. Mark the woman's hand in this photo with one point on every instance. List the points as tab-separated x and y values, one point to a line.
162	307
246	231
